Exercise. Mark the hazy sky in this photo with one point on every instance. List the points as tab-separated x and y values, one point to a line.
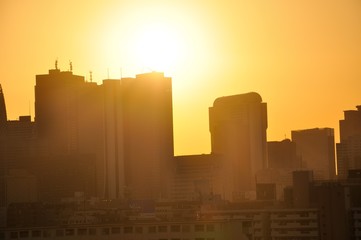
303	57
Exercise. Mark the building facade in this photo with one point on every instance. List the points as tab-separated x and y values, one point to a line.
349	148
238	127
316	148
124	125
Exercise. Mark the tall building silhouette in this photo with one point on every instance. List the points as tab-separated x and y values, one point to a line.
316	148
3	142
114	179
124	125
238	127
3	115
282	155
349	148
148	135
69	121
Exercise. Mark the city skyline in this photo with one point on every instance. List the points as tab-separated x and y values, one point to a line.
302	58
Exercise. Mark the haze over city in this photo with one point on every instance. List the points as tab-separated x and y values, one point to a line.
303	57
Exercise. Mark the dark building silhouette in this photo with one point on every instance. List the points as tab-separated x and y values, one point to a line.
148	135
302	184
282	155
349	148
124	127
238	127
3	114
68	116
316	148
196	178
18	152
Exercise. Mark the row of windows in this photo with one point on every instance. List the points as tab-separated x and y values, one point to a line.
113	230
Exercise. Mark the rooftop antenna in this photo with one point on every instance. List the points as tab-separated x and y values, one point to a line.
56	64
71	66
91	76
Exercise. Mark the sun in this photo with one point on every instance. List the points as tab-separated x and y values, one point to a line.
158	47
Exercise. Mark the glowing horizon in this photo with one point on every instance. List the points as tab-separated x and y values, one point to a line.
303	58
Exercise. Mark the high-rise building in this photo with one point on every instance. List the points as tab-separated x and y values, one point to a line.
69	123
282	155
349	148
56	109
238	127
3	142
196	178
126	124
282	161
148	135
114	181
316	148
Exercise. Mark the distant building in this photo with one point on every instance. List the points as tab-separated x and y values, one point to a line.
302	184
238	127
283	155
196	178
316	148
18	150
124	125
282	161
147	109
349	148
20	187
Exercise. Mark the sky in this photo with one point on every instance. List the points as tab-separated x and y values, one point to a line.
302	57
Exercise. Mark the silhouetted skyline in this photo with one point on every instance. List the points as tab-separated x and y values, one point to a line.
302	57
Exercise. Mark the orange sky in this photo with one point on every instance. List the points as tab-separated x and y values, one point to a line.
303	57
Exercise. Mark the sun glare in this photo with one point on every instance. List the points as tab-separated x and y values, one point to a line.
158	48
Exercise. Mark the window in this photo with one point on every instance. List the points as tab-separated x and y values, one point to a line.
82	231
305	214
186	228
128	229
199	228
115	230
14	235
46	233
59	232
36	233
162	229
138	229
210	228
105	231
152	229
92	231
175	228
24	234
69	232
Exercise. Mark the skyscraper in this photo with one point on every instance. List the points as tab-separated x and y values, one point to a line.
349	148
114	179
282	155
56	109
69	123
126	124
238	127
148	135
316	148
